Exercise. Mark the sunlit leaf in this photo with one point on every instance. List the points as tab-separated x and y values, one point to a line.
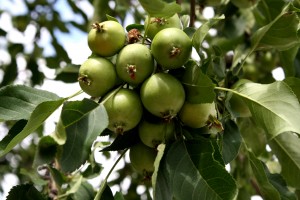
286	148
160	149
37	118
274	107
82	122
18	101
159	8
282	34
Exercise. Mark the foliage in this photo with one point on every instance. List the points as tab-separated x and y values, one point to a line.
241	42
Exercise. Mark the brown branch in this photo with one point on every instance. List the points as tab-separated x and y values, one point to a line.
192	13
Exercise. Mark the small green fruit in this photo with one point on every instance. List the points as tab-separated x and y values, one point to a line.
124	110
162	95
142	158
134	63
106	38
97	76
153	134
197	115
171	48
157	24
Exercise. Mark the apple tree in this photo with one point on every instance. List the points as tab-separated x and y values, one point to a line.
190	103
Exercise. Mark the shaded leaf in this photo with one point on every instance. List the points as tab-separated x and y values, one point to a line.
202	31
274	107
199	87
254	137
279	183
266	188
159	8
37	118
123	141
35	178
287	59
191	172
10	73
15	129
24	192
37	77
85	191
82	121
107	194
58	177
46	151
18	101
68	74
286	148
119	196
231	141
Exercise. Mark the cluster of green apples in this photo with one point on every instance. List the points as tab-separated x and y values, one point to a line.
130	73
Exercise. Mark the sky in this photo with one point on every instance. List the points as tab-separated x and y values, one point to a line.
77	48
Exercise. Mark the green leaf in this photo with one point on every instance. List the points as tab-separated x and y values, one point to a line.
85	191
34	177
287	59
282	34
266	188
286	148
24	192
191	172
111	18
58	177
119	196
68	74
202	31
159	8
294	84
279	183
107	194
15	129
231	141
37	118
185	20
160	153
10	72
139	27
199	87
18	101
274	107
255	138
82	122
46	151
123	141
